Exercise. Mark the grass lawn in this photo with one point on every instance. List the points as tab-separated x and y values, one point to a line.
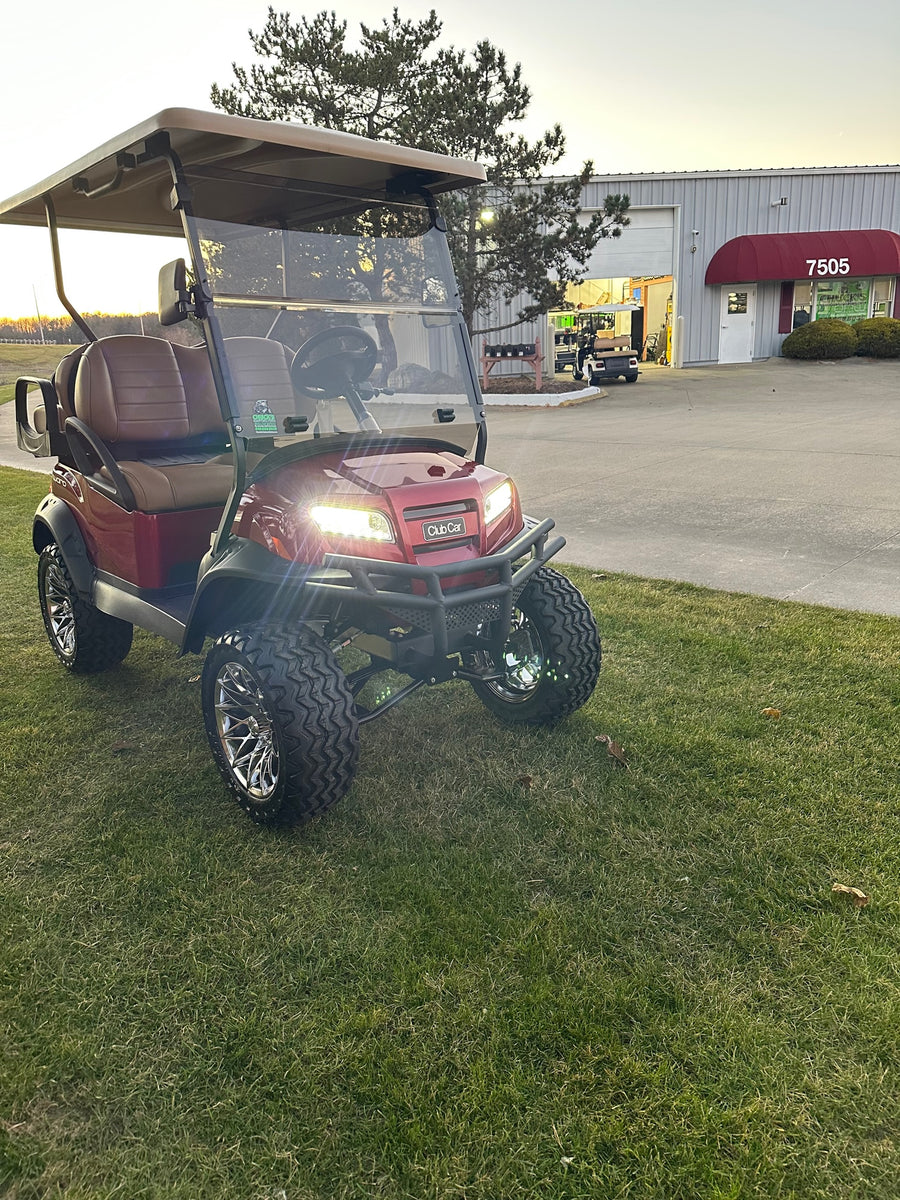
501	967
16	360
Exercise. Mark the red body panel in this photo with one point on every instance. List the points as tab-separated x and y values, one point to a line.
411	487
149	550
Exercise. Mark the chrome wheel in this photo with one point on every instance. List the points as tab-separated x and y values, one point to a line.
523	662
245	731
549	663
84	639
60	614
280	720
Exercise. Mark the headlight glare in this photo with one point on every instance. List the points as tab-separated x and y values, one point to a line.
497	502
352	522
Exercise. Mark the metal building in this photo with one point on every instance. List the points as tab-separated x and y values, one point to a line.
751	254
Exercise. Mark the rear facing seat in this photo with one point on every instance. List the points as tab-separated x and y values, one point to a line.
602	344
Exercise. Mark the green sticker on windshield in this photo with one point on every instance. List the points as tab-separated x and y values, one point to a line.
264	423
263	418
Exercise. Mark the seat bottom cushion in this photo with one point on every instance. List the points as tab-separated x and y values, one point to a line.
166	488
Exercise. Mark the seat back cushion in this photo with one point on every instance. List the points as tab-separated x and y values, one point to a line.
64	380
130	388
260	371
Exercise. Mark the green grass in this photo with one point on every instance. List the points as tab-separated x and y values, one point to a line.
16	360
605	984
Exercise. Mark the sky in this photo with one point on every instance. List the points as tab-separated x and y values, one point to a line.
658	86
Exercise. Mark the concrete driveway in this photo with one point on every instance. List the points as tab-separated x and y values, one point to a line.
778	478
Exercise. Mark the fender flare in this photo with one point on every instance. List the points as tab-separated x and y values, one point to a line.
248	574
54	522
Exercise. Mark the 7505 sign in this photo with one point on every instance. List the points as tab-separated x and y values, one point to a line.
828	266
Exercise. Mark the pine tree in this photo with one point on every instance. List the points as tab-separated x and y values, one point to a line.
517	233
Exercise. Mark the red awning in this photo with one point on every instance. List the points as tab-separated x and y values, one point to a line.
825	255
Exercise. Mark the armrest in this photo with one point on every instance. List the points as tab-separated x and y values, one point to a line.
85	443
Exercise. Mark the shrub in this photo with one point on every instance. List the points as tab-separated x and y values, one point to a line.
879	337
828	338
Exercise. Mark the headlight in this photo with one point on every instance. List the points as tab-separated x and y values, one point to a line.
497	502
352	522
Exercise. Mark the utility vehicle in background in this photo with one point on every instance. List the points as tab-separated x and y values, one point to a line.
296	470
600	353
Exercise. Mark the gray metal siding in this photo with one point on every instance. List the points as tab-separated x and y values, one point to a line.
725	205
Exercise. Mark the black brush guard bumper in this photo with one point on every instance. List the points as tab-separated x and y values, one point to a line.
388	586
248	583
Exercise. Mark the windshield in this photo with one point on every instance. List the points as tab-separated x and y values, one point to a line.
345	320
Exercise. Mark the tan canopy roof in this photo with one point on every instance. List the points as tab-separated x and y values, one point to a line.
214	141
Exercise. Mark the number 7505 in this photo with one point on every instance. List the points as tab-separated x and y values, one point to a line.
828	266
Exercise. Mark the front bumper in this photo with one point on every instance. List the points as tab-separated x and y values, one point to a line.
444	604
389	587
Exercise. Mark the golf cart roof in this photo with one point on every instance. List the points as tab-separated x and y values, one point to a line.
210	142
608	308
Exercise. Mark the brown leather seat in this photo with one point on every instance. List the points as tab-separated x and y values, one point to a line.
154	405
260	371
63	380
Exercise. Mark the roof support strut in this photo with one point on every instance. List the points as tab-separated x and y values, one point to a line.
58	275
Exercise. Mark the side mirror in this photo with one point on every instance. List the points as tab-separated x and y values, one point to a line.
174	297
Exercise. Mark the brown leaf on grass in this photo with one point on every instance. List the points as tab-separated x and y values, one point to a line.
193	678
859	897
524	781
599	575
121	747
774	713
613	749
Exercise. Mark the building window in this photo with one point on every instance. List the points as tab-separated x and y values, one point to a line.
737	302
803	294
846	299
882	297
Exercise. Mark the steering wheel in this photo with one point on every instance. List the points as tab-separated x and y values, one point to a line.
331	375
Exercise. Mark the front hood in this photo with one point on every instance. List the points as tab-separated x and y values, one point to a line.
404	468
409	486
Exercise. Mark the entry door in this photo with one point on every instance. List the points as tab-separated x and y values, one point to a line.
738	318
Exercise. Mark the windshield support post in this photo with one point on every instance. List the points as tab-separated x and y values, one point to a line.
160	146
465	340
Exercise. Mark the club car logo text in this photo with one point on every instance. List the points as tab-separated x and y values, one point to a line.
449	527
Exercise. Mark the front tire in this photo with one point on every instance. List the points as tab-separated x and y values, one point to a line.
84	639
552	655
280	720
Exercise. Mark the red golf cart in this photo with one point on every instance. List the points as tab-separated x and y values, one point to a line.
296	468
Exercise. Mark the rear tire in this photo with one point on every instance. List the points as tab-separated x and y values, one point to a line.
552	656
84	639
632	377
280	720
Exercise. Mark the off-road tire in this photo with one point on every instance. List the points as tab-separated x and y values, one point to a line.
556	618
306	736
631	377
84	639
